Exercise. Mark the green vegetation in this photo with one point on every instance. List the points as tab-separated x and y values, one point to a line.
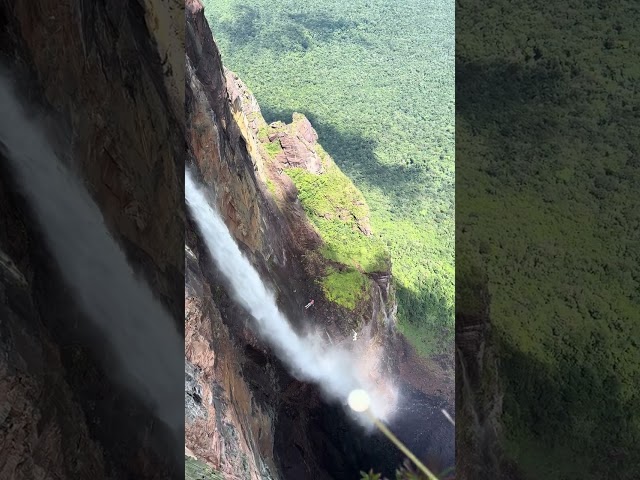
548	204
271	186
376	80
339	212
273	148
345	288
263	133
350	247
370	475
406	472
195	470
331	191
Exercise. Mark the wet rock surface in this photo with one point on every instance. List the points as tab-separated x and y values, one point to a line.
37	410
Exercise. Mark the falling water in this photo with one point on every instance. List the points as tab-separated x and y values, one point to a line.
140	334
337	371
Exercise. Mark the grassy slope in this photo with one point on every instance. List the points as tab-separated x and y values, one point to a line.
376	80
334	205
328	195
551	201
340	214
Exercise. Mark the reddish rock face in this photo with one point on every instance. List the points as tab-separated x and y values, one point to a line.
298	142
225	426
194	6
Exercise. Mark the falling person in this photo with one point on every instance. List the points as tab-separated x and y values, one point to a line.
306	307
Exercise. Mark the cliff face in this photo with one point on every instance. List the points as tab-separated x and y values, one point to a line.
118	109
246	416
41	424
245	404
94	71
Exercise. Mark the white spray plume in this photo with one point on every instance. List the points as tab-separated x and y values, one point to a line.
337	371
140	334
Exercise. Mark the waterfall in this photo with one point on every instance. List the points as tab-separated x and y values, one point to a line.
139	333
335	369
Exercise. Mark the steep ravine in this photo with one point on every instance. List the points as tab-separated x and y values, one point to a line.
246	416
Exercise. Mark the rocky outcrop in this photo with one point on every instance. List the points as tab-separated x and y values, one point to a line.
297	141
105	78
297	146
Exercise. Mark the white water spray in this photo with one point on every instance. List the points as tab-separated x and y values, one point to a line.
138	331
336	370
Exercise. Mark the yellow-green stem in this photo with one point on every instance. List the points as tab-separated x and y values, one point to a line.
383	428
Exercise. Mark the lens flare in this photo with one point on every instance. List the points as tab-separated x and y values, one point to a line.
359	400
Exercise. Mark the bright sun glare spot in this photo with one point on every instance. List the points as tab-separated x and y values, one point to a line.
358	400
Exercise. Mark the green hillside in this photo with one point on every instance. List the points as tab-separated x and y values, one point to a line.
376	80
